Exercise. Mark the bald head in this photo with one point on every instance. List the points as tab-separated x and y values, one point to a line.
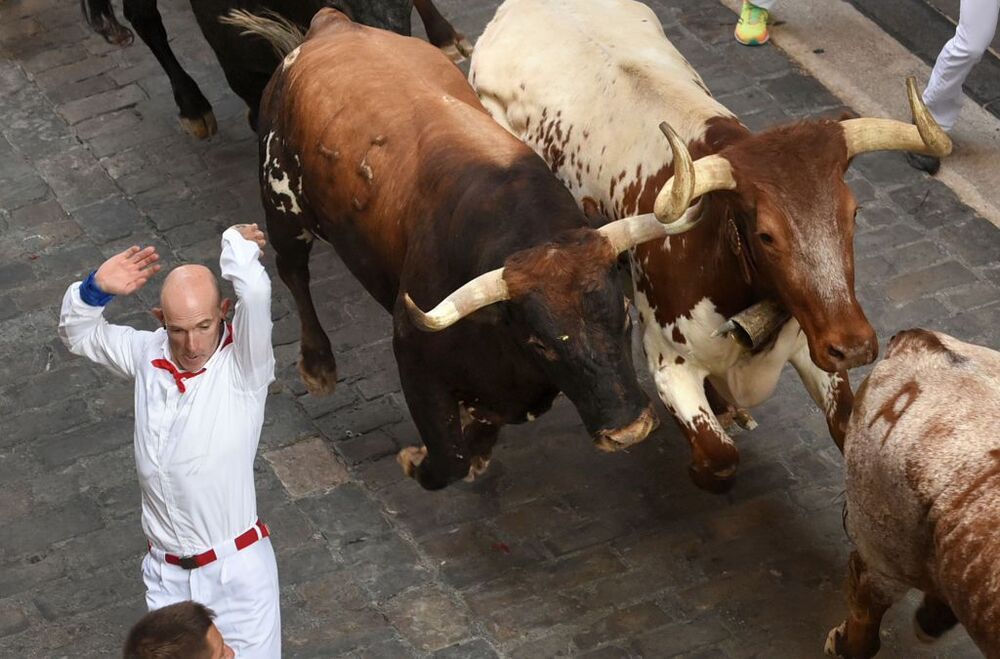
192	311
189	289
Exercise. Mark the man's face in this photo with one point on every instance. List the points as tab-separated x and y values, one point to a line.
217	648
194	328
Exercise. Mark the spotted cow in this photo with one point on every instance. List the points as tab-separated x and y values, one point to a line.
376	143
760	216
248	63
923	492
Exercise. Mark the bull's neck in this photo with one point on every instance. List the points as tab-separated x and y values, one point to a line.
967	544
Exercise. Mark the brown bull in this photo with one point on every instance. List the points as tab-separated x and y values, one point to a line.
376	144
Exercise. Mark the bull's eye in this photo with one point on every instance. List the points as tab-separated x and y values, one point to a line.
766	238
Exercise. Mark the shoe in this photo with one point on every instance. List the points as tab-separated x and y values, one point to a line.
929	164
751	29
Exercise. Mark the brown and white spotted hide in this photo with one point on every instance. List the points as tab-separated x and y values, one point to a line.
923	491
586	84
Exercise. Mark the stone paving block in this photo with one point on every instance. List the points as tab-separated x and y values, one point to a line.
976	242
85	108
284	422
35	532
930	203
79	593
476	648
307	468
370	446
305	563
345	515
795	91
76	178
110	219
911	285
12	619
59	416
973	295
429	618
622	625
682	637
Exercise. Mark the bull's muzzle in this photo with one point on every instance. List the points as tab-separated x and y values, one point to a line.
633	433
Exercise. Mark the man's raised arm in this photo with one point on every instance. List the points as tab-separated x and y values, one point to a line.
240	264
82	326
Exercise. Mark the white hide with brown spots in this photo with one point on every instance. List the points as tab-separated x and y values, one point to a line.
923	476
586	84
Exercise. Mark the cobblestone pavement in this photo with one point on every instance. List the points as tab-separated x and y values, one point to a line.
559	549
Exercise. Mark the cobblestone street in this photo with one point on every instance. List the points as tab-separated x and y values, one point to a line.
559	549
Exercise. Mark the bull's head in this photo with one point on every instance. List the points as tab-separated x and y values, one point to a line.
568	310
793	215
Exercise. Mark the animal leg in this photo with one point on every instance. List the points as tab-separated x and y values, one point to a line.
682	389
732	419
317	366
445	456
441	33
480	436
933	618
196	113
869	597
831	391
101	17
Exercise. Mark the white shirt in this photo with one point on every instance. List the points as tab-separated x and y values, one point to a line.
194	451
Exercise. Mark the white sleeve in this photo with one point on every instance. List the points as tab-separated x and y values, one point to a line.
85	332
240	264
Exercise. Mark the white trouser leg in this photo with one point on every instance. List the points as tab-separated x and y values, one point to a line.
764	4
977	23
242	590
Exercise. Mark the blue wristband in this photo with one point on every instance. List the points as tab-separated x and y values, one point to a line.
92	294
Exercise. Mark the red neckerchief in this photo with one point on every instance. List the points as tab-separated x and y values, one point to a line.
180	376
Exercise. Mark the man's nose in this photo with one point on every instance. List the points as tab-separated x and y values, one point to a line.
189	342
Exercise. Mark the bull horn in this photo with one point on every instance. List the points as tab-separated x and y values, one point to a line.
923	136
690	180
480	292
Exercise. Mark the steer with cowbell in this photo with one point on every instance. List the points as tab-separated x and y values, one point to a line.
377	144
755	221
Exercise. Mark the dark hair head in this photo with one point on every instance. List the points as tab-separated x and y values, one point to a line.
177	631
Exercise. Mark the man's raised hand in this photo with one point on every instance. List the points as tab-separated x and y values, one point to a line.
252	233
127	272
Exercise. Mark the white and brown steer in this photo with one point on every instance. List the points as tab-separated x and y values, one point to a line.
585	84
923	492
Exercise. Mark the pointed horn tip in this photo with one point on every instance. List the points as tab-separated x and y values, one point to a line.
420	319
938	142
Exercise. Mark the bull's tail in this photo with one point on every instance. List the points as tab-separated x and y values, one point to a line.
283	35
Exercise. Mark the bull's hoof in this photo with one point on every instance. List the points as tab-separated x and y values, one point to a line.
833	640
410	458
716	481
477	466
622	438
922	635
116	34
458	50
319	376
201	127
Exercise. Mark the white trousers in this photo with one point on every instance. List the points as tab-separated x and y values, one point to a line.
241	588
977	23
764	4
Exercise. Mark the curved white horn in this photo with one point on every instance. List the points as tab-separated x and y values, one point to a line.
480	292
690	180
923	136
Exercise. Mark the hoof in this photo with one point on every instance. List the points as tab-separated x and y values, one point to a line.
202	128
833	639
921	635
622	438
477	466
116	34
410	458
458	50
714	481
320	378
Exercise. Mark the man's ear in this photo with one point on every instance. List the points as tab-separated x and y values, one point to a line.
225	306
158	315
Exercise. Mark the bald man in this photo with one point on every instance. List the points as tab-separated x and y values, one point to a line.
200	388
